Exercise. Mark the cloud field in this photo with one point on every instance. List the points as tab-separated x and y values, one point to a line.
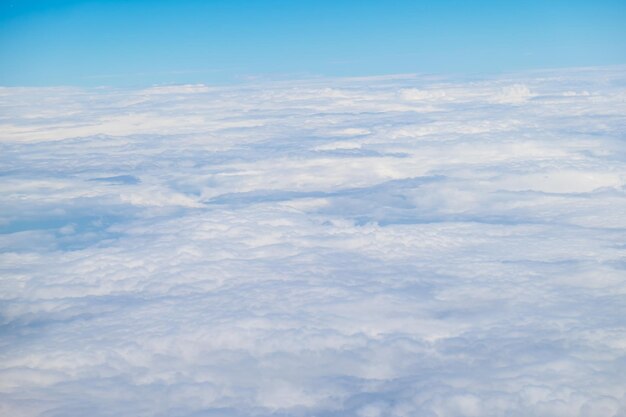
407	246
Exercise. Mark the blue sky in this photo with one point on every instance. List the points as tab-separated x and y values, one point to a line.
143	42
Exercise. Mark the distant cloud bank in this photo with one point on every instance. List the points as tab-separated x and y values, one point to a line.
410	246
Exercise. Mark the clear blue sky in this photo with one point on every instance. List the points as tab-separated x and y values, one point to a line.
135	42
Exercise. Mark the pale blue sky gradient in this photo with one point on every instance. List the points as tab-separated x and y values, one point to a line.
136	42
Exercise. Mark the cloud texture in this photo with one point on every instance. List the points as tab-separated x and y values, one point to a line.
393	246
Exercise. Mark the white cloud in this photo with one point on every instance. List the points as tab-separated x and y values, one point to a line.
516	93
389	246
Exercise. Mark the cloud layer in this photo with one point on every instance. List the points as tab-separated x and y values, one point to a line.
393	246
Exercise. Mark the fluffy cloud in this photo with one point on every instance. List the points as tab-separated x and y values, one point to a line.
394	246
